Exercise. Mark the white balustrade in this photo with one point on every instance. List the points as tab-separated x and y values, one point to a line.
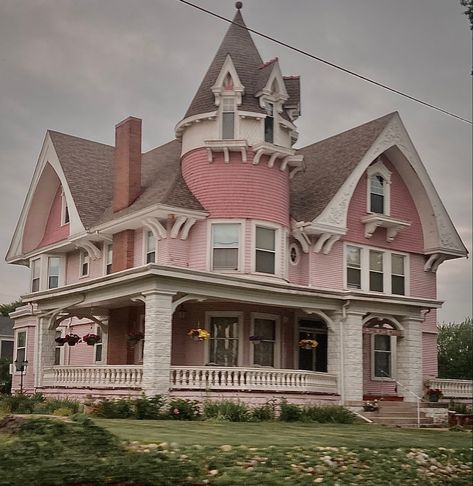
117	376
453	388
251	379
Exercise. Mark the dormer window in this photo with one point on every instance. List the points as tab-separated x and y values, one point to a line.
377	188
269	123
228	117
65	219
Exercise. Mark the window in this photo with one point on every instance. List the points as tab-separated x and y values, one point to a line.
397	274
294	255
223	342
84	264
53	272
6	350
264	350
265	261
98	347
228	118
382	356
108	259
150	247
353	267
58	351
21	346
225	246
377	185
376	271
35	274
269	123
65	219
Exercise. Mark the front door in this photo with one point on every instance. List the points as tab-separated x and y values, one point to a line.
314	359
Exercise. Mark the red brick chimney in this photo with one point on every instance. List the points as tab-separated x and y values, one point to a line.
127	169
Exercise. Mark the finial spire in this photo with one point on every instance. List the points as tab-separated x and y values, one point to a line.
239	5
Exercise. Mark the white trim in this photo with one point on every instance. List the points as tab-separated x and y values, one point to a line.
241	247
379	169
83	254
393	361
277	340
278	245
387	272
240	333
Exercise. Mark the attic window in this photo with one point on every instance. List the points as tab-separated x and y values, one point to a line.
269	123
64	210
377	188
228	117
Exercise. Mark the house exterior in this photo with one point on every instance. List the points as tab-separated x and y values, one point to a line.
230	229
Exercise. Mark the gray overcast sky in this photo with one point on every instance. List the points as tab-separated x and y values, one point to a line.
81	66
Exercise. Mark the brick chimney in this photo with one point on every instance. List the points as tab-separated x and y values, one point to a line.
127	168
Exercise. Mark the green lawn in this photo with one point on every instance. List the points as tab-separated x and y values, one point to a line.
282	434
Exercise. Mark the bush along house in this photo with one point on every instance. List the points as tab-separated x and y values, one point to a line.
228	264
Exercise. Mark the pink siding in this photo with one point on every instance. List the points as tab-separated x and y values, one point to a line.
54	231
198	246
373	387
81	354
402	206
423	284
299	274
430	322
236	189
96	268
326	271
178	252
429	355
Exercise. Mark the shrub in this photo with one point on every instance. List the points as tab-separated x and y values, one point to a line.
63	412
227	410
264	412
20	403
5	377
180	409
113	409
149	408
289	412
328	414
54	404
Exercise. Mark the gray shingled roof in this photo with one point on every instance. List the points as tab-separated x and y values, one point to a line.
328	165
88	168
6	326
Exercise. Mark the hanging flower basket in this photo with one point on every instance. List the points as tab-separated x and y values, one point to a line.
60	341
198	334
135	337
308	343
256	339
72	339
91	339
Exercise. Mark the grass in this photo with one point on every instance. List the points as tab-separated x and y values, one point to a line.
282	434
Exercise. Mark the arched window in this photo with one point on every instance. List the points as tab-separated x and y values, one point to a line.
377	194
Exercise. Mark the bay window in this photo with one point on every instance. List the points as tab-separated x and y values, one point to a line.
397	274
225	246
224	340
353	267
265	248
376	271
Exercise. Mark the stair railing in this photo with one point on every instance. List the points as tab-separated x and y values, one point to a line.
418	398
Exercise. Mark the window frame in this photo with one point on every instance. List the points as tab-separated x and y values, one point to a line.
105	258
387	270
48	275
146	251
352	267
241	245
273	118
65	213
239	316
60	332
100	332
33	262
277	340
404	276
392	352
84	259
379	169
277	247
16	348
377	272
228	97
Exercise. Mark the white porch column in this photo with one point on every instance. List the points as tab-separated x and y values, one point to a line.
409	359
157	346
351	350
45	349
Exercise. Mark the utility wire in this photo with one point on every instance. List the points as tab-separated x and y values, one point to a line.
324	61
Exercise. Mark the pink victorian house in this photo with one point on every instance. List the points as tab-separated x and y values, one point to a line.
230	229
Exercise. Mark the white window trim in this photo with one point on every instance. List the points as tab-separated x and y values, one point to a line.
82	256
239	316
298	254
105	254
393	359
103	343
387	270
32	260
381	170
236	121
277	341
15	349
279	234
145	247
241	249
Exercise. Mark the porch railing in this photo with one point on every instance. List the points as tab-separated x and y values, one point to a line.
117	376
453	388
193	378
223	378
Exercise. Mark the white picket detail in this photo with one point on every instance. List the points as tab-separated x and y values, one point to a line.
453	388
251	379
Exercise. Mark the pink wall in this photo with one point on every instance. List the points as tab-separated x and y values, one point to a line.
423	284
198	246
299	274
237	189
429	355
402	206
54	231
81	354
373	387
96	268
326	271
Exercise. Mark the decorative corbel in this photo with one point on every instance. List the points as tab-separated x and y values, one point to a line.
186	228
158	230
329	244
320	241
92	250
177	226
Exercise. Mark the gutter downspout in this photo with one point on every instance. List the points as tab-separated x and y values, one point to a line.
342	352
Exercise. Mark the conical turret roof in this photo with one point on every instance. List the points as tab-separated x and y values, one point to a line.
239	45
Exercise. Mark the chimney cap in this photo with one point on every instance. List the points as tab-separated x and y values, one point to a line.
128	119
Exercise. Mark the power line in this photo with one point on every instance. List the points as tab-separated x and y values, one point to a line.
331	64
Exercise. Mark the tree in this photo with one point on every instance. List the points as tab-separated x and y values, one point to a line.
469	10
455	350
5	309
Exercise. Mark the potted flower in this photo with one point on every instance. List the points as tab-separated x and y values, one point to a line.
72	339
198	334
371	406
308	343
135	336
434	394
60	341
91	339
256	339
